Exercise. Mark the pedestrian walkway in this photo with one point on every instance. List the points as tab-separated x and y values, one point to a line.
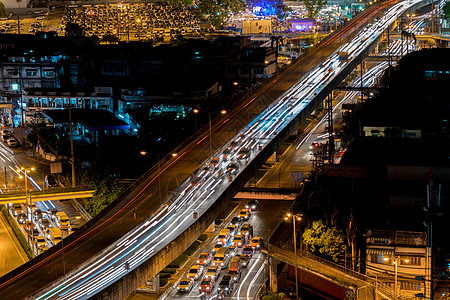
333	272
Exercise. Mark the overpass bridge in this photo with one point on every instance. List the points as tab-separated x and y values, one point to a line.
335	274
163	212
51	194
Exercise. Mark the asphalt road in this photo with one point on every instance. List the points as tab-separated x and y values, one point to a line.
145	198
263	220
11	256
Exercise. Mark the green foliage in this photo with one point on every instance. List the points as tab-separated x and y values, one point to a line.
178	262
283	11
192	248
164	275
106	191
268	295
2	10
446	10
314	6
203	237
163	282
23	242
325	240
217	12
169	270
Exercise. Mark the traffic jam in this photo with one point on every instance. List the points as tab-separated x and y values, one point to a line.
42	228
218	271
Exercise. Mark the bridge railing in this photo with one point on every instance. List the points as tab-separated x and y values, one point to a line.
332	269
19	192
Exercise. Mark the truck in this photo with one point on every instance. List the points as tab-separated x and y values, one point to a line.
55	235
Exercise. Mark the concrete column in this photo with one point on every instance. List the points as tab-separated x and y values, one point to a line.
273	274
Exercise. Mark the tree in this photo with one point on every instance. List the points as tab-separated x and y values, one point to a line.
218	12
106	191
447	10
2	10
110	39
325	240
314	6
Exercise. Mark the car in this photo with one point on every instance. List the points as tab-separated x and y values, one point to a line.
239	241
233	229
215	162
245	214
204	259
245	260
236	276
233	250
216	247
195	272
5	132
206	285
248	251
35	232
6	137
236	221
17	209
232	169
50	181
73	228
247	230
213	272
226	153
12	142
244	153
226	285
185	285
27	225
44	223
256	243
252	205
40	241
21	217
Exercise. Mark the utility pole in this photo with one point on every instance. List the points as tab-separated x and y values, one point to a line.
330	130
72	158
18	25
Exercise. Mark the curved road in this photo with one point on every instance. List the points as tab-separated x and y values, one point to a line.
145	196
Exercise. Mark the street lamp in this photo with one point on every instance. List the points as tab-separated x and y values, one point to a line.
29	204
295	217
196	111
395	261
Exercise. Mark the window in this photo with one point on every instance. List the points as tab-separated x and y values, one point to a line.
379	258
12	72
47	73
31	72
410	260
409	285
430	74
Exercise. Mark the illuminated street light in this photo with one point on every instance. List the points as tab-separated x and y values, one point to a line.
295	217
29	203
395	263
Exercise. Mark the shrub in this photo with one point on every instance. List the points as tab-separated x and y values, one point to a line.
192	248
203	237
163	282
164	275
178	262
169	270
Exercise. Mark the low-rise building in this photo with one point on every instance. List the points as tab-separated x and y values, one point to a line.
400	259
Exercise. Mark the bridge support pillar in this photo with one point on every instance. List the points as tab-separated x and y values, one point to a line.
273	274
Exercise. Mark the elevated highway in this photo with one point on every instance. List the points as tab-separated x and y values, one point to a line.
60	194
152	222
